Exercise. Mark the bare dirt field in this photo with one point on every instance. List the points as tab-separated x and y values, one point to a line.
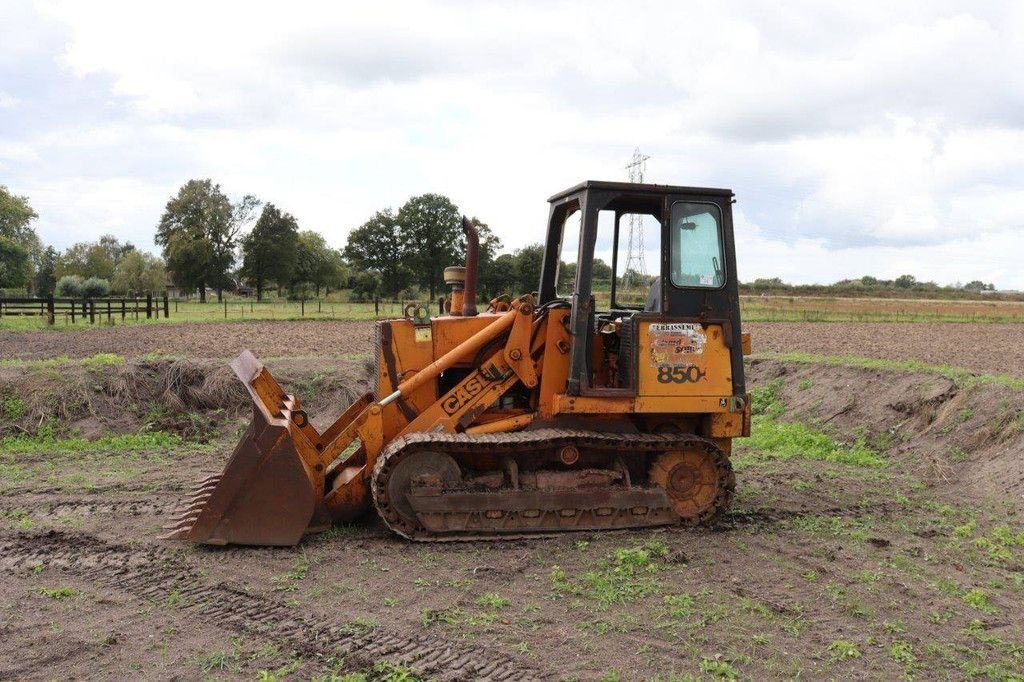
877	533
994	348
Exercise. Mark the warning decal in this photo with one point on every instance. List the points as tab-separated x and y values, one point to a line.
671	343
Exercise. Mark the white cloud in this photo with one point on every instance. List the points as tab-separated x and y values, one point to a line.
874	134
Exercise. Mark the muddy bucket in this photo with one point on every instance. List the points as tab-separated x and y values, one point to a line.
267	493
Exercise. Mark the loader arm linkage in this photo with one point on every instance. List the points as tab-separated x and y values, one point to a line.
280	482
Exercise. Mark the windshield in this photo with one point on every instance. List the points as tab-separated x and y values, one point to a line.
696	246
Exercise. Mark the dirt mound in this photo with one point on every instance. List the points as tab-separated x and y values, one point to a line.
971	437
196	398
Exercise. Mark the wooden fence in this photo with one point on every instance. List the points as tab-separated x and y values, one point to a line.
74	309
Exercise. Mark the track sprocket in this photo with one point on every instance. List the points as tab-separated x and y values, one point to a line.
698	478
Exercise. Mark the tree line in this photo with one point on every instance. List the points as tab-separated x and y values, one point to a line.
209	242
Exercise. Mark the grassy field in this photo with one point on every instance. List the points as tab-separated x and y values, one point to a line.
755	309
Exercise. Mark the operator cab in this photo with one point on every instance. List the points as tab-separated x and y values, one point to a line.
631	257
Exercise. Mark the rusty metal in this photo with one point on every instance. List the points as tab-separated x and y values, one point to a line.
472	267
570	454
542	500
268	493
698	479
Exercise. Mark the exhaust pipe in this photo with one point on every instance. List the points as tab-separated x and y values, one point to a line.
472	266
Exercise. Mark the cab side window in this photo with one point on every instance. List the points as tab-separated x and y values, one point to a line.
696	246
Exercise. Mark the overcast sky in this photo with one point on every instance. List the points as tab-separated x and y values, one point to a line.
860	138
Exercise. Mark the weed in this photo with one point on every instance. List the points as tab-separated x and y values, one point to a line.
765	400
978	598
173	599
390	602
58	593
894	628
217	661
45	441
680	605
492	600
13	408
810	576
841	650
901	652
716	667
966	530
805	384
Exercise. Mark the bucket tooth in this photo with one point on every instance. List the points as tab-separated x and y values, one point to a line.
180	524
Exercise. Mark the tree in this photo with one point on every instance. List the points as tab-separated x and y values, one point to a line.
905	282
198	232
16	216
139	273
19	243
377	245
499	277
366	285
316	263
93	259
46	273
528	265
269	252
601	271
15	267
69	286
431	227
95	287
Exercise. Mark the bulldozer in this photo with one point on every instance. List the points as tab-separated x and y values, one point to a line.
543	413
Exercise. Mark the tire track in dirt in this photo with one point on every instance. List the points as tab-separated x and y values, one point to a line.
65	508
154	572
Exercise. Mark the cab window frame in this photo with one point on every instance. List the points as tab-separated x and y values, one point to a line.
717	214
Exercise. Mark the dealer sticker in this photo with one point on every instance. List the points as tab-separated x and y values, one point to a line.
672	342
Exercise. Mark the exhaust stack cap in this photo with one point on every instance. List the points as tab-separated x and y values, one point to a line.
455	276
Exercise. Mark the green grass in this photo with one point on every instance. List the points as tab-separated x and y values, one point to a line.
97	361
624	576
45	442
958	375
58	593
778	440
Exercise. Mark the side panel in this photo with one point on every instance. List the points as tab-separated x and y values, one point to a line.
682	358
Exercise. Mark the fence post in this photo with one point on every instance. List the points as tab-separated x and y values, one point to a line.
73	306
124	310
167	308
376	307
302	306
110	315
92	311
49	310
149	306
135	305
318	305
225	308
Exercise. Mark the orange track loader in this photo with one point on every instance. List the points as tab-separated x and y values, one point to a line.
544	413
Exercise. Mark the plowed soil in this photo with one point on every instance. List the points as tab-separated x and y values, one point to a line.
994	348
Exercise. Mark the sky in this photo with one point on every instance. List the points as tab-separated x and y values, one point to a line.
875	138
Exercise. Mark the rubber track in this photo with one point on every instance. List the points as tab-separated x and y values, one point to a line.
523	442
154	572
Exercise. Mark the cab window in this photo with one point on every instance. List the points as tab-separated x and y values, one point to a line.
696	246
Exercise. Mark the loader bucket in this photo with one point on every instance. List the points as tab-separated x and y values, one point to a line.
267	493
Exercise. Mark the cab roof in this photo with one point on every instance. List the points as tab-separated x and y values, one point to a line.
639	188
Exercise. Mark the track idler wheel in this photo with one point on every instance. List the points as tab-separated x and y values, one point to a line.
391	485
699	481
